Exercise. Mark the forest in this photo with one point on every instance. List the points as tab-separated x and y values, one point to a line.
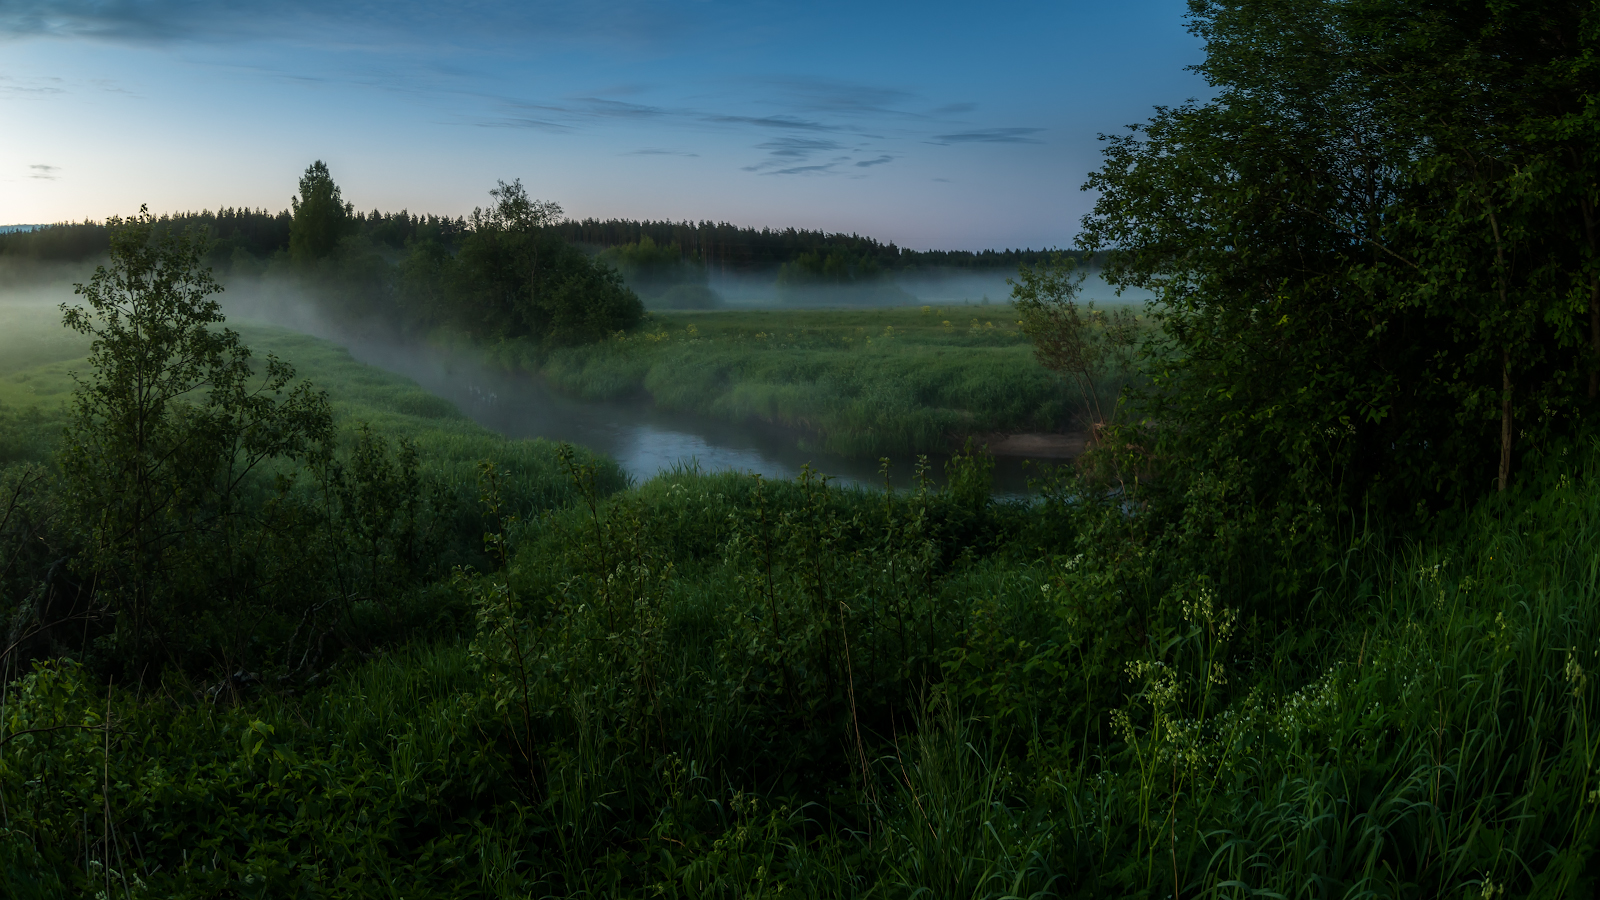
1313	615
253	236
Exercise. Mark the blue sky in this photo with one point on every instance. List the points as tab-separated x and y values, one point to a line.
934	125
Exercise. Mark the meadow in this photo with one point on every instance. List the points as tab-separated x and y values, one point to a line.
866	383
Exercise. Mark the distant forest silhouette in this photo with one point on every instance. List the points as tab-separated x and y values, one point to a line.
719	246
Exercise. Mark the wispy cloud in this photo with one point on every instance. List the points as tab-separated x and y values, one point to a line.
991	136
656	151
868	163
789	122
535	124
110	87
617	109
30	87
845	98
824	169
43	172
784	152
402	24
798	147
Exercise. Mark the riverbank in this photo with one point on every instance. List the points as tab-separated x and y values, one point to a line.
858	383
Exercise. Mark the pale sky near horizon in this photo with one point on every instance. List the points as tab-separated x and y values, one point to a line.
935	125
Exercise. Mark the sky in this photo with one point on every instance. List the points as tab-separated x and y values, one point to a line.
932	125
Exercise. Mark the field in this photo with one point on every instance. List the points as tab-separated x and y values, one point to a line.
855	382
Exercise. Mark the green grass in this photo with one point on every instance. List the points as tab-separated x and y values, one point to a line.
630	720
38	359
449	444
854	382
37	356
718	686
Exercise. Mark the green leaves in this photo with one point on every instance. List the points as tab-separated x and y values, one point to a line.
321	217
515	277
169	434
1089	346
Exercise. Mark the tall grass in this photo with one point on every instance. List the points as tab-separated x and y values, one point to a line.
855	382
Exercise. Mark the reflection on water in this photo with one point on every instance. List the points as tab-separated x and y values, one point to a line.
644	439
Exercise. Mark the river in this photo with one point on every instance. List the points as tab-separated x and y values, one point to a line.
644	439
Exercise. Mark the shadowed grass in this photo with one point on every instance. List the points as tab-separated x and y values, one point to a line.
645	710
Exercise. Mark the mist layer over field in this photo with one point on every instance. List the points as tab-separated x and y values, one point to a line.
641	433
938	287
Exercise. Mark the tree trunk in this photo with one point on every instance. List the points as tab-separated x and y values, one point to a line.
1505	418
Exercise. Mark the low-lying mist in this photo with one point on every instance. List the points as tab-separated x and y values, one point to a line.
644	439
947	287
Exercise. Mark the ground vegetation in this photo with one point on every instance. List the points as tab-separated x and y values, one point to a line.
1316	617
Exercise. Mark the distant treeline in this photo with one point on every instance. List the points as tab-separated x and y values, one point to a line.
718	246
516	270
730	248
257	232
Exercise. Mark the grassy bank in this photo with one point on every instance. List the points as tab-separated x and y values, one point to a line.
854	382
38	359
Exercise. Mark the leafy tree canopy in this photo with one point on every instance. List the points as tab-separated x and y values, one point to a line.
1374	250
167	430
321	217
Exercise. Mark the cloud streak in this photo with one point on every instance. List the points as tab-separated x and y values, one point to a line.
789	122
990	136
43	172
30	87
404	25
824	169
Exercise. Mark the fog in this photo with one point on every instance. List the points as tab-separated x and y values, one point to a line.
936	287
643	439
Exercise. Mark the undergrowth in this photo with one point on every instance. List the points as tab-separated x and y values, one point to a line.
716	685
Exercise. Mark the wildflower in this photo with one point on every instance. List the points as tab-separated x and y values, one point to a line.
1574	672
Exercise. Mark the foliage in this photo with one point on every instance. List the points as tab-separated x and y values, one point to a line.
720	686
727	248
209	514
321	217
513	278
730	248
165	436
848	278
1089	347
1187	668
1370	248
